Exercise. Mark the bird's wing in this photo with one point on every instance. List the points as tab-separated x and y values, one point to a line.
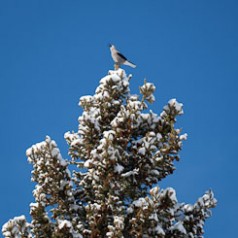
122	56
130	64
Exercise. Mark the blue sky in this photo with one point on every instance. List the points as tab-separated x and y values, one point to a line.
53	52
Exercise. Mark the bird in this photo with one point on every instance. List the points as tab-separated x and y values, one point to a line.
119	58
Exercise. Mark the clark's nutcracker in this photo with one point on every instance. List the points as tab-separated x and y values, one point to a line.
119	58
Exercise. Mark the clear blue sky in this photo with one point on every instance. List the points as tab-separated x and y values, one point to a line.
53	52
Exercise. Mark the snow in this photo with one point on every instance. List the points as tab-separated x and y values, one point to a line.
183	137
110	233
96	206
159	158
54	152
87	99
109	134
154	217
155	172
117	81
35	153
91	116
133	172
147	90
20	218
146	144
163	114
172	194
147	86
188	208
130	210
6	233
178	106
159	230
159	136
94	153
142	151
64	223
13	229
141	202
28	152
154	191
34	204
119	222
179	226
118	168
120	72
62	161
70	136
114	77
88	163
75	142
136	105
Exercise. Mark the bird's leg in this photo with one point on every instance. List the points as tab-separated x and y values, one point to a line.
116	66
121	74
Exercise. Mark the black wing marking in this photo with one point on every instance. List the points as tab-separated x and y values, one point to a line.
122	56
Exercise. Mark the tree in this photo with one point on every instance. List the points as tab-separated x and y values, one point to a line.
121	152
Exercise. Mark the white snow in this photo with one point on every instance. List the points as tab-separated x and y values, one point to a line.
159	136
178	106
114	77
188	208
147	86
62	161
71	137
88	163
119	222
136	105
142	202
179	226
155	172
109	134
183	137
133	172
54	152
64	223
86	99
11	228
172	194
154	191
96	206
118	168
130	210
154	217
28	152
142	151
75	142
159	230
34	204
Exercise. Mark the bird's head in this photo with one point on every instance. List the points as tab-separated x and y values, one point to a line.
111	45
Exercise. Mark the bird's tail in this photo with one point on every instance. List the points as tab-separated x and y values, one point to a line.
129	64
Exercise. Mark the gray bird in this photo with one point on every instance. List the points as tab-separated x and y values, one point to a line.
119	58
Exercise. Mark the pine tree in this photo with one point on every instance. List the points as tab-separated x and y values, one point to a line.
121	152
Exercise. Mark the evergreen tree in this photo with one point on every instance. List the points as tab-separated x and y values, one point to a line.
122	151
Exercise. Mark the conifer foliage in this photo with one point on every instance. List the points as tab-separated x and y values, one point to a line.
121	152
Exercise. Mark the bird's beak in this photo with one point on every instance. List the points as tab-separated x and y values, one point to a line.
109	45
